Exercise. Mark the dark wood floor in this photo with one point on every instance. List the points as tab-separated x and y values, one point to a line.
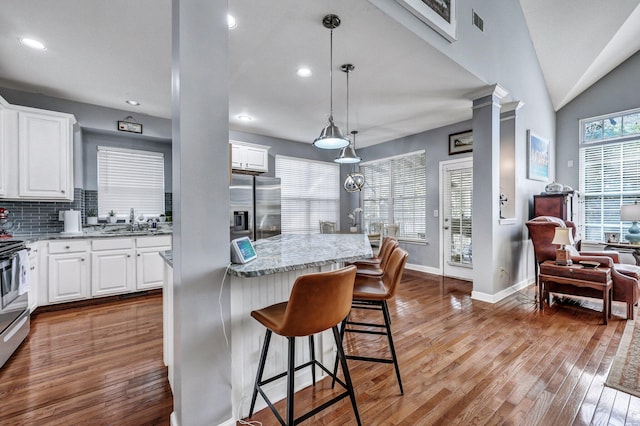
463	362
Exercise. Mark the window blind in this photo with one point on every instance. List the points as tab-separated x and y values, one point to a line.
459	199
130	179
310	193
395	193
609	178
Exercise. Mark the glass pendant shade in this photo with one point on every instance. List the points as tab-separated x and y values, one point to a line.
354	182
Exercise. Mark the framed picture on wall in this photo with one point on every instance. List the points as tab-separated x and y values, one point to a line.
461	142
438	14
538	153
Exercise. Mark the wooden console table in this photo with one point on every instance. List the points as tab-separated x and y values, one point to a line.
598	279
634	249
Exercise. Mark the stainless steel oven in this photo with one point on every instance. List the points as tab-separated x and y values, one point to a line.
14	298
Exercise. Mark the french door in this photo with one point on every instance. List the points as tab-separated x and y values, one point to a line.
456	186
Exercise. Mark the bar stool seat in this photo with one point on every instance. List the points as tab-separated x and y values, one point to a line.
371	292
318	302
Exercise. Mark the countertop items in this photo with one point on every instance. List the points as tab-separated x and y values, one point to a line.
289	252
94	232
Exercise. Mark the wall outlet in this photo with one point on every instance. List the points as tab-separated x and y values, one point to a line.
61	216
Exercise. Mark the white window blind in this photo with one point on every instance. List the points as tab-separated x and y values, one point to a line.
609	178
130	179
395	193
310	193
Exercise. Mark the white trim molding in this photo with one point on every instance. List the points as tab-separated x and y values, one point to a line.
494	298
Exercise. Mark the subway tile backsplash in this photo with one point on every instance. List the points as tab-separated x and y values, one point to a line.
36	217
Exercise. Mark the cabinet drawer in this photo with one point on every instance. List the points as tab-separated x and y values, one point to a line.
112	244
68	246
161	240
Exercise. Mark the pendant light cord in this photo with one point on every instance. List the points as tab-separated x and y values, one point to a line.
348	71
331	77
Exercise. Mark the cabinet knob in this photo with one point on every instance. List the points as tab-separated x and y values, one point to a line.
32	268
82	259
67	247
128	255
138	254
62	191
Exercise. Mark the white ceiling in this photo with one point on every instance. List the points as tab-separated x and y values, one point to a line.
106	52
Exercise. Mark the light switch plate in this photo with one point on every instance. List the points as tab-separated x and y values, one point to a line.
61	215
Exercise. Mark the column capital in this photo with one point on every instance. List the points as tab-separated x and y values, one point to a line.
491	90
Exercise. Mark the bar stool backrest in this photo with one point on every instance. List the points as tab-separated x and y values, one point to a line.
393	272
386	250
318	302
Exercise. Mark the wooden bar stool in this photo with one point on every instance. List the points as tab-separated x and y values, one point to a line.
371	292
318	302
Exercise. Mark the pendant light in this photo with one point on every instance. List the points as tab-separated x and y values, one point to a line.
331	136
355	180
348	153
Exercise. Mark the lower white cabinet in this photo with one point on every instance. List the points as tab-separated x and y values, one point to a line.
79	269
112	266
68	270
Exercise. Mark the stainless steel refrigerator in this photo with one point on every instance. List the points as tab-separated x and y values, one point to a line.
254	207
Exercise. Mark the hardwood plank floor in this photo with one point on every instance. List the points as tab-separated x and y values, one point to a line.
463	362
99	364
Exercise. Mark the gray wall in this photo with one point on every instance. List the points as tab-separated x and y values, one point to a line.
617	91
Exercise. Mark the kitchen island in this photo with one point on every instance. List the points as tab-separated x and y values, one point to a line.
268	280
262	282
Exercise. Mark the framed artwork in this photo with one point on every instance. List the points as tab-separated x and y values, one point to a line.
438	14
538	161
461	142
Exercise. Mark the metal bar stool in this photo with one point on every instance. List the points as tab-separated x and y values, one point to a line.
318	302
372	292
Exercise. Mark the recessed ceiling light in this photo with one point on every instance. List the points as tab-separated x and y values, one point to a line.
34	44
244	117
304	72
134	103
231	22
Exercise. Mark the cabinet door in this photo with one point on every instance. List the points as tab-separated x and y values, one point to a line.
45	156
150	267
112	272
256	158
236	156
4	162
68	277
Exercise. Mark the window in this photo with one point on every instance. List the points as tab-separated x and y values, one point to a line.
128	179
395	193
609	171
310	193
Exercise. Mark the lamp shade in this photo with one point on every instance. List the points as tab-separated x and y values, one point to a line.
630	212
348	155
563	237
331	137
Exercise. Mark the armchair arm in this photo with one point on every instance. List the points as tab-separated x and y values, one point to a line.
614	255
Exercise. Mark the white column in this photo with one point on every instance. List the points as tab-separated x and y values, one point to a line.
202	382
486	189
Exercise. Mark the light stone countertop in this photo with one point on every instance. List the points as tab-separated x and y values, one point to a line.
288	252
94	232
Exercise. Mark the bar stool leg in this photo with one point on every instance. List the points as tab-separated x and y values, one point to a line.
312	356
345	369
290	376
387	322
263	358
335	364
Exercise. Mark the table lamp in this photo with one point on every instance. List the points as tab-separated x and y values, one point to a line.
631	213
563	237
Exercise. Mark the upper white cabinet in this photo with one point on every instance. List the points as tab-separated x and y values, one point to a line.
38	154
249	157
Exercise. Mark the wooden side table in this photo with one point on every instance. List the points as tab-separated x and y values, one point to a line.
578	277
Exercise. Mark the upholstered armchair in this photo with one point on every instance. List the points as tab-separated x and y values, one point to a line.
626	278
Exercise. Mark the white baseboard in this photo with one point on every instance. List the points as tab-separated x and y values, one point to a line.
173	421
422	268
494	298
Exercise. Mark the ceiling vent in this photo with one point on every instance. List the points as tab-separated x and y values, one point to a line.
478	21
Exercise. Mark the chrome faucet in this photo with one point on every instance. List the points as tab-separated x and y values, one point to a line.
132	219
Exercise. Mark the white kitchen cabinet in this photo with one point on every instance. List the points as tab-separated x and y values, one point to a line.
68	270
37	159
249	157
45	156
112	266
149	263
